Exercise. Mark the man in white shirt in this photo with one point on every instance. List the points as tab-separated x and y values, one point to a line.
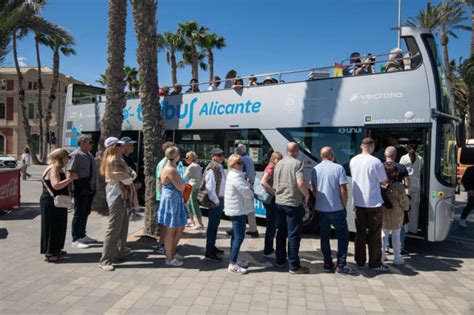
215	84
215	178
368	173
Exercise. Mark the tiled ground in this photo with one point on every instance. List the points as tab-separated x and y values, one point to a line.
438	278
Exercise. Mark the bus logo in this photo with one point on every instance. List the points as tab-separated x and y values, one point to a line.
367	97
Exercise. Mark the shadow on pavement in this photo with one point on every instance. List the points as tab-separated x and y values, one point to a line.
27	211
3	233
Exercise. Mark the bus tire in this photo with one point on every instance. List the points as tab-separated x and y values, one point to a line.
310	219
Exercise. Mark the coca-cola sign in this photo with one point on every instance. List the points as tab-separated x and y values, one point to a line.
9	189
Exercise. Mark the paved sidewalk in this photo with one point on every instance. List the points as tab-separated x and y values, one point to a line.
437	278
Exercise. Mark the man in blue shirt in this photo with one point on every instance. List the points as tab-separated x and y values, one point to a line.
329	184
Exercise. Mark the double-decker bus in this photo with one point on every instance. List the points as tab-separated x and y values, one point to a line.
412	106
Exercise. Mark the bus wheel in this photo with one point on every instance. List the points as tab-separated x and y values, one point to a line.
310	219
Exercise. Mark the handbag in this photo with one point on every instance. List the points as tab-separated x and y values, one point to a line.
260	192
187	192
60	201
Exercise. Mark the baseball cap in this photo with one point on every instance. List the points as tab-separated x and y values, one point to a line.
217	151
128	140
110	141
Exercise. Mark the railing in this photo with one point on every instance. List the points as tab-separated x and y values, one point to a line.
318	73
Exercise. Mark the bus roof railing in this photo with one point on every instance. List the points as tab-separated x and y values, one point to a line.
311	75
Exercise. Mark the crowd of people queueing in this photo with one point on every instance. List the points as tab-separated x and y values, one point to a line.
379	192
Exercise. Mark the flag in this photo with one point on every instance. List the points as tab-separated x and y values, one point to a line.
338	70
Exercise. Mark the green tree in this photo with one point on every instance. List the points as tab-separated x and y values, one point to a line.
173	43
210	42
192	33
61	42
144	18
131	74
102	80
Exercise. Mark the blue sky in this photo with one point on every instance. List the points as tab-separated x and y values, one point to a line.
262	35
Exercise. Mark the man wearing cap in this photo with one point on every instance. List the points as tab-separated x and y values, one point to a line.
127	150
368	173
83	165
213	187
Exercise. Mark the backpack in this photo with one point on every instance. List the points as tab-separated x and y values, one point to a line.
203	197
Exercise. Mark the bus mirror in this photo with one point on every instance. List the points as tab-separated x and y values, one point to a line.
460	133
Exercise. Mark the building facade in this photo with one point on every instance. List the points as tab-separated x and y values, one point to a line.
12	132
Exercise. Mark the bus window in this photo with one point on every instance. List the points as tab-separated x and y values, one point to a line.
409	44
257	146
199	141
446	160
344	141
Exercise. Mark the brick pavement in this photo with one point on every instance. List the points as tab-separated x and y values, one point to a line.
438	278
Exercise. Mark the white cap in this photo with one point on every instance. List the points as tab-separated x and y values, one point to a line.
110	141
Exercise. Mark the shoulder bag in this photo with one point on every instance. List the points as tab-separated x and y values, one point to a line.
60	201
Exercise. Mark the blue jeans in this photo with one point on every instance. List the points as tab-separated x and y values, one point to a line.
82	209
271	214
402	238
238	234
290	225
212	227
338	220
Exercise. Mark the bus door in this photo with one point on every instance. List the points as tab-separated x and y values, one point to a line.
400	136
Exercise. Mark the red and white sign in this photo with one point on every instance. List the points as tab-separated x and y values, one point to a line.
9	189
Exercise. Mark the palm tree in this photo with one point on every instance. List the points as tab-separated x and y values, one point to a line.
444	18
111	123
192	33
144	18
210	42
60	42
131	78
188	59
173	43
38	39
103	80
470	4
9	17
27	21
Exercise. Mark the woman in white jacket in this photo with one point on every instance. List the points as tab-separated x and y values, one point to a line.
238	203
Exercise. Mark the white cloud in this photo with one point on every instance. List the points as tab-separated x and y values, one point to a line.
22	61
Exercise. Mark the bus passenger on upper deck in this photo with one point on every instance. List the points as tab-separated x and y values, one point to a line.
193	86
238	83
177	89
252	81
268	80
395	61
229	78
165	90
356	67
215	84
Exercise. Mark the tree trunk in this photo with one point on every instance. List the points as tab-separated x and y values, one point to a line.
444	44
144	17
21	97
42	138
52	97
174	66
111	124
211	64
194	62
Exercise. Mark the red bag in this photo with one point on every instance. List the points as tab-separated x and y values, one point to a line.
187	192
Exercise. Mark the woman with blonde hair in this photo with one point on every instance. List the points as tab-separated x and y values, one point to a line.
270	209
194	174
53	219
238	198
121	197
172	212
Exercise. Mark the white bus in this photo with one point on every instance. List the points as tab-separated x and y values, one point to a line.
412	106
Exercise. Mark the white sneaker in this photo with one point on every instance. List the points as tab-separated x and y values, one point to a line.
236	269
462	223
400	261
79	244
88	240
178	257
107	267
243	263
173	262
